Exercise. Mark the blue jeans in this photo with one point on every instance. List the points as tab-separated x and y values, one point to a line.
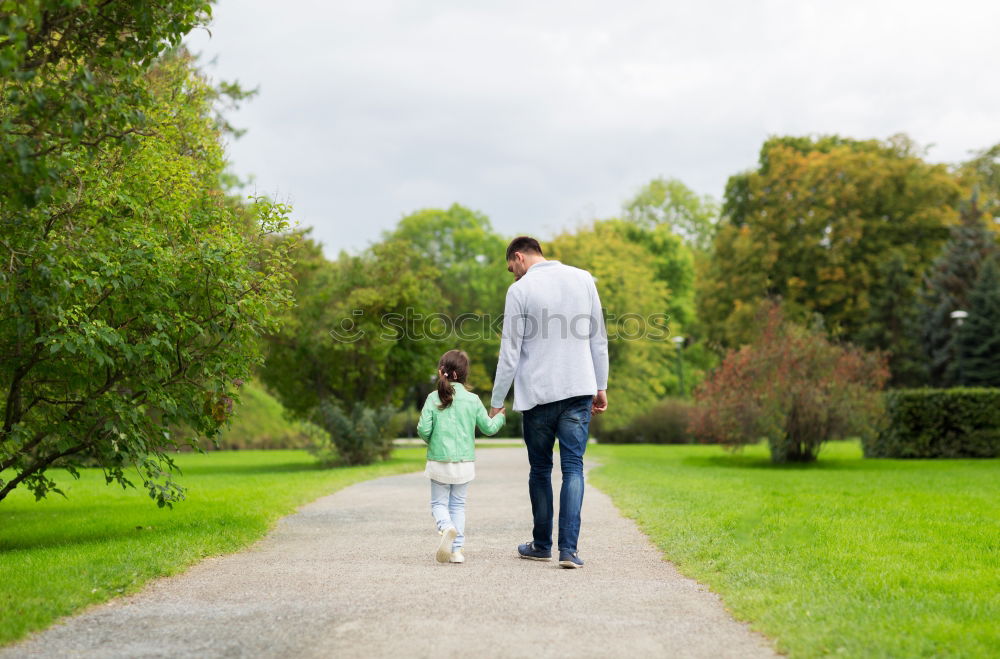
448	508
569	420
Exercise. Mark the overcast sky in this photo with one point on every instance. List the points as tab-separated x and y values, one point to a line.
546	114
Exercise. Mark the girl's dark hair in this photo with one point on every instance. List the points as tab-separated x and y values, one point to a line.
454	364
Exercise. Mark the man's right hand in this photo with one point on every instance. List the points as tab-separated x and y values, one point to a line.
600	404
496	410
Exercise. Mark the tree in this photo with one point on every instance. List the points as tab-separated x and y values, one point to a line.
635	303
73	79
947	284
981	175
466	258
977	362
671	203
134	292
813	224
363	337
792	386
672	262
364	329
893	325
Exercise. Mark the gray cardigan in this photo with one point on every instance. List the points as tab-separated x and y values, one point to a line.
554	343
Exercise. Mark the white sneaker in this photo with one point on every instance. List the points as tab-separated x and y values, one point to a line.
444	547
457	556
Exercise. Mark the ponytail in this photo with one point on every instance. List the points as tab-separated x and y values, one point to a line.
453	367
445	392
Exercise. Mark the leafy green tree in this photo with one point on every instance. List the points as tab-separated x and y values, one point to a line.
813	224
947	285
73	80
466	257
673	265
981	175
667	201
977	362
668	216
635	302
134	292
363	331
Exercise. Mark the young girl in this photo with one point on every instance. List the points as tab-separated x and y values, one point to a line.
448	424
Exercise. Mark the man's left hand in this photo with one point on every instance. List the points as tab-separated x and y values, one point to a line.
600	404
495	410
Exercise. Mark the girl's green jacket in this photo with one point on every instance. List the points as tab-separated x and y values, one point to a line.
451	433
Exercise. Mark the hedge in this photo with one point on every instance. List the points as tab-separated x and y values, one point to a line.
938	423
664	423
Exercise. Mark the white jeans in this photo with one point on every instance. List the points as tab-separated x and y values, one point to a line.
448	508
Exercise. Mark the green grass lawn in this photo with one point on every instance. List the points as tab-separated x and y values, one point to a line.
845	556
60	555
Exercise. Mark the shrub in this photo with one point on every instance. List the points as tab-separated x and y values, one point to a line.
938	423
665	423
792	386
359	437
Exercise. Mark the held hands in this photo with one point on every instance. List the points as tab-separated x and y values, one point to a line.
600	404
497	410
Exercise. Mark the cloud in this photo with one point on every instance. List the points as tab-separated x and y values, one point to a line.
543	115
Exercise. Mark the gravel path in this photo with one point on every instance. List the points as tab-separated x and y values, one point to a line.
353	575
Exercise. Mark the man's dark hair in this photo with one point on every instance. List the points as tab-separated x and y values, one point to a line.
525	245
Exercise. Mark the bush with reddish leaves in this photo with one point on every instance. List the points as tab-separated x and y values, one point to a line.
793	387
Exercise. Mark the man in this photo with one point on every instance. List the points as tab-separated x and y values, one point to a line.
554	348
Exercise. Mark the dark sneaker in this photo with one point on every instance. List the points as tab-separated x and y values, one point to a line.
527	550
570	559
